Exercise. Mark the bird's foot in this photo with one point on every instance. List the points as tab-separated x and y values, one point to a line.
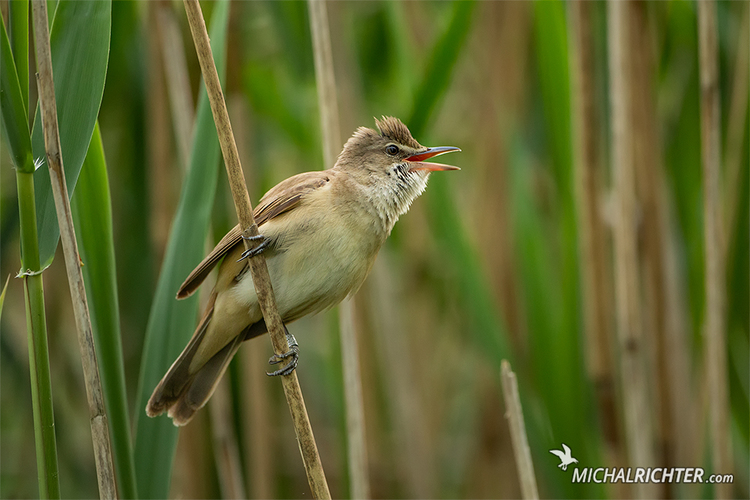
293	353
252	252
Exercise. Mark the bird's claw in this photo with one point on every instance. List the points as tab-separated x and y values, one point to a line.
293	353
252	252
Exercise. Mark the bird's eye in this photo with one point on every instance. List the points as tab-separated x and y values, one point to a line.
391	149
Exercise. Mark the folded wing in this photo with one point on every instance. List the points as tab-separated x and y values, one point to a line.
282	198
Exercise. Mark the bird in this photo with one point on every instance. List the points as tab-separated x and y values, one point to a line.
320	232
565	457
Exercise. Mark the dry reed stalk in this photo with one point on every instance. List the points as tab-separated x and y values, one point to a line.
329	116
674	394
355	407
514	414
178	83
650	182
715	347
325	80
591	230
633	358
258	268
226	452
97	412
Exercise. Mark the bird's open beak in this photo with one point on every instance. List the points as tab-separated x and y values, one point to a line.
417	163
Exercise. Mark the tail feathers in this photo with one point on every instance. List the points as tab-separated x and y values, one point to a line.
178	377
202	384
181	392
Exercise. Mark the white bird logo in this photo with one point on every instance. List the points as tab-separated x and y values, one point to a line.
565	457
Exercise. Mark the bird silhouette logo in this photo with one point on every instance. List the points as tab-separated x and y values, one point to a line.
565	457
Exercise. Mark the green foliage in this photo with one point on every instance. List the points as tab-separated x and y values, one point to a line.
19	42
92	212
16	131
547	249
16	125
439	71
278	99
290	18
682	142
556	362
79	38
171	322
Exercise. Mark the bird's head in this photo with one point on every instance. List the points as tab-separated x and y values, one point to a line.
390	165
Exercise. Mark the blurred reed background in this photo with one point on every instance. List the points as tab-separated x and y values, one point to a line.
571	243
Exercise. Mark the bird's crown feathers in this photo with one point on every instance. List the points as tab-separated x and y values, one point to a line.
395	130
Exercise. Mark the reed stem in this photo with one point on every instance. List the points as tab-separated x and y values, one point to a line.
329	117
97	412
36	324
715	346
258	268
632	353
519	439
592	233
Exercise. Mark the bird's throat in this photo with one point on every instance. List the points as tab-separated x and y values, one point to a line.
392	199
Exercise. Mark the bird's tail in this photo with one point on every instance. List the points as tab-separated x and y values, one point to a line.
182	392
202	384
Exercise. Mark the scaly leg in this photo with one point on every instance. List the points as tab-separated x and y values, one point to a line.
293	353
252	252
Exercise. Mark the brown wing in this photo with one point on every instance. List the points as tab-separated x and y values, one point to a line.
280	199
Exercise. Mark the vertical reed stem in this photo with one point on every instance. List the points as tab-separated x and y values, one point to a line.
16	17
638	425
519	440
591	233
258	268
329	117
715	348
36	324
649	174
325	80
98	414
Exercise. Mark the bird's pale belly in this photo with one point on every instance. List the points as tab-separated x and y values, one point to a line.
319	272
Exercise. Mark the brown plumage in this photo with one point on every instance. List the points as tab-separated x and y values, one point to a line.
324	230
